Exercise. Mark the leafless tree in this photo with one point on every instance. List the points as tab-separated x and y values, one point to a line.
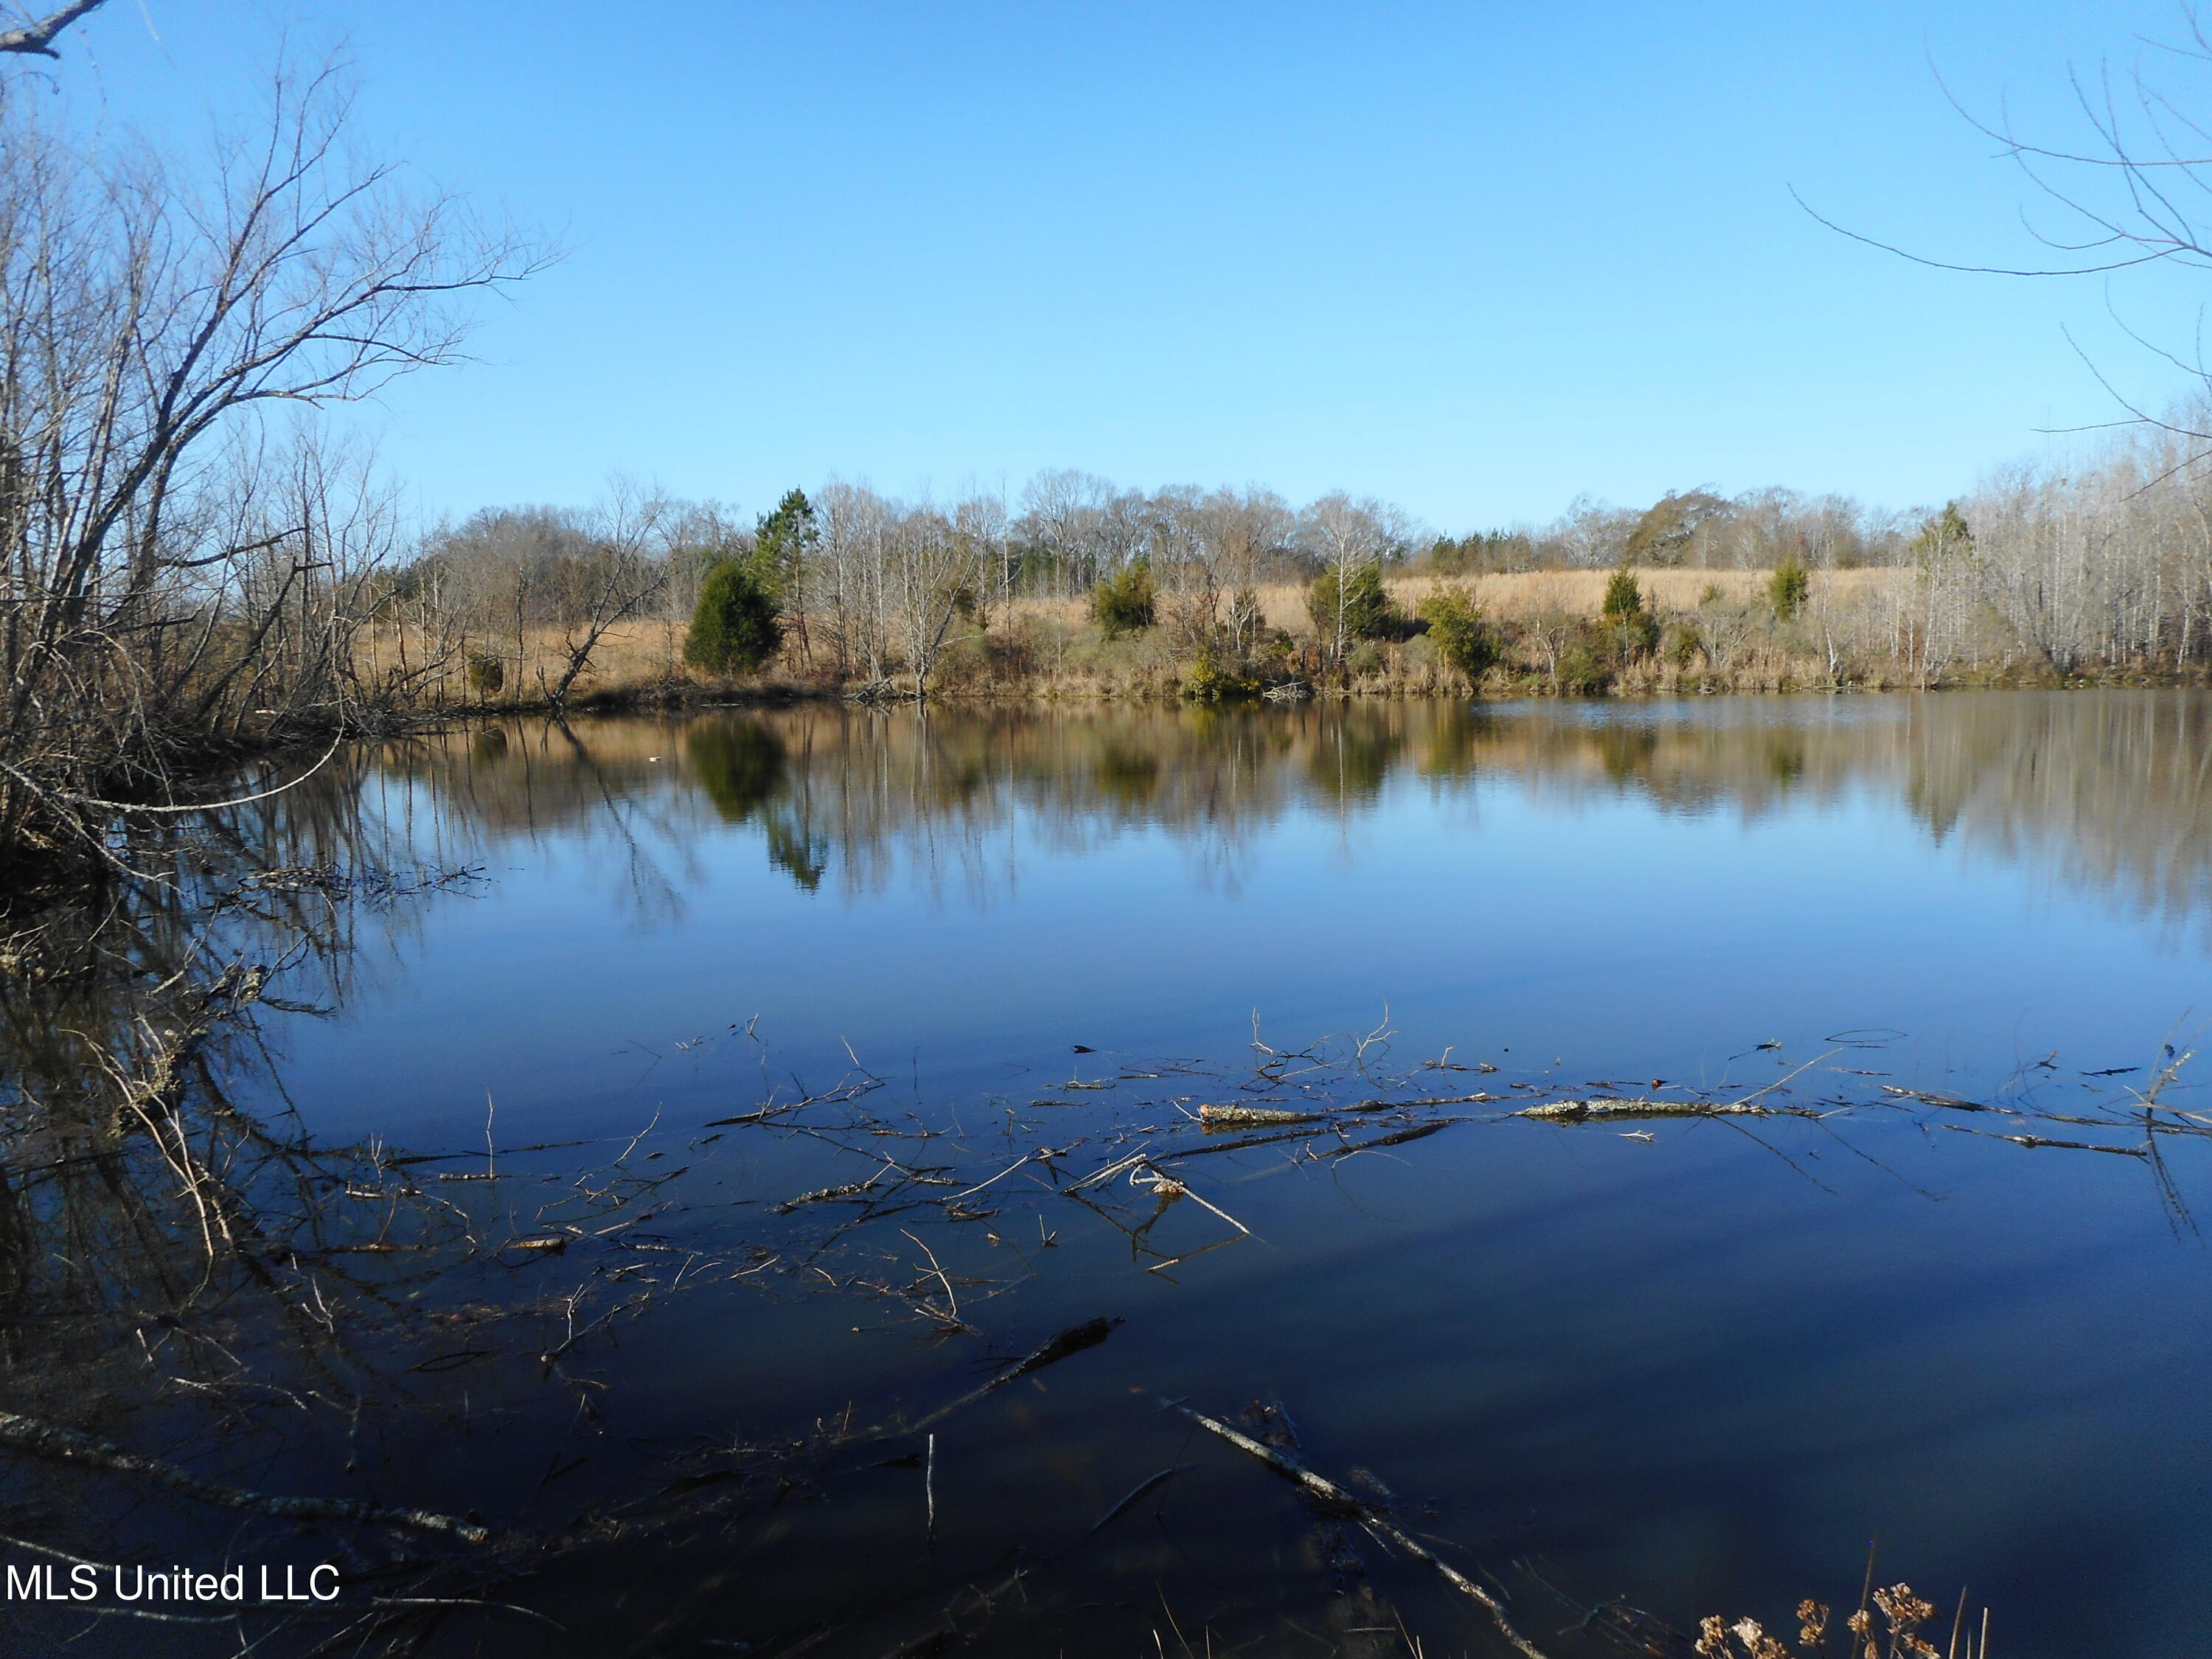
2130	192
934	569
148	317
1345	537
625	573
1246	535
1061	519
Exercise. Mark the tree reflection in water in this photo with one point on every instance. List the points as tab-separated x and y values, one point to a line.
230	1312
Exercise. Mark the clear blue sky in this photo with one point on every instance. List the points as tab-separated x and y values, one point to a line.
1476	259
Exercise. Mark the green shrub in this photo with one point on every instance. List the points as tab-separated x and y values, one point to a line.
487	673
1787	587
1210	681
734	627
1585	665
1126	602
1638	636
1462	636
1683	647
1367	657
1369	613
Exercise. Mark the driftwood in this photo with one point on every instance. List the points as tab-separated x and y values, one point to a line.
67	1445
1370	1517
822	1195
1396	1137
1235	1116
1949	1102
1583	1111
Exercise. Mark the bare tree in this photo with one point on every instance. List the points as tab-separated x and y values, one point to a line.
1244	534
2130	193
1347	536
1060	515
933	569
618	582
146	316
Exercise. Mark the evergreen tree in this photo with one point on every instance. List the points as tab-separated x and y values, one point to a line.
1635	630
1368	611
1789	586
1456	626
782	541
1125	603
1624	599
734	627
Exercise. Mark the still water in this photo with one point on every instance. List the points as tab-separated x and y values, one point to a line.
1694	1365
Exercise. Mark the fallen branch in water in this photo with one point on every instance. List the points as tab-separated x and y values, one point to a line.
1235	1116
67	1445
1397	1137
1058	1347
1583	1111
2039	1140
1370	1517
1149	1484
1948	1102
823	1194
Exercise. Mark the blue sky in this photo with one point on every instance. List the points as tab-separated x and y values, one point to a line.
1476	259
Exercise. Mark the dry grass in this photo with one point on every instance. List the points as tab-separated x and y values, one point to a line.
1535	593
631	655
1049	647
1581	592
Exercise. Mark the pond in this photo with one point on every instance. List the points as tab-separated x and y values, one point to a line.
793	1073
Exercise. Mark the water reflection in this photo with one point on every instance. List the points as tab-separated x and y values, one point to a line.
2107	789
1666	1360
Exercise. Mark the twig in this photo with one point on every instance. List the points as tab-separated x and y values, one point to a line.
1149	1483
1371	1518
1059	1347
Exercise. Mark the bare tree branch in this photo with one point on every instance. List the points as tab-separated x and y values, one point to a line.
37	38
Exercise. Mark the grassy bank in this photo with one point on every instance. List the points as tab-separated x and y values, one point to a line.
1700	632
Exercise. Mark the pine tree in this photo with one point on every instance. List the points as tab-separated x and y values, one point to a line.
1789	586
1624	599
781	540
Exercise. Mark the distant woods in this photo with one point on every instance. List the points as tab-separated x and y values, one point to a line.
1077	585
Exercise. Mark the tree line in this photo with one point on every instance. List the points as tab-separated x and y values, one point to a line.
2101	563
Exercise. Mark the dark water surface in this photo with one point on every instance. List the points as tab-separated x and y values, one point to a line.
1695	1364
